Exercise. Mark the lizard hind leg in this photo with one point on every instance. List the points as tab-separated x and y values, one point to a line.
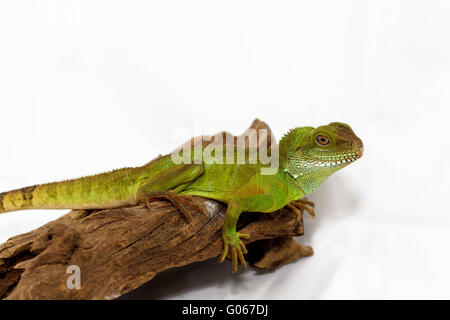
184	204
166	184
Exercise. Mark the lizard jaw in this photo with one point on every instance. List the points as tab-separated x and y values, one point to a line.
338	160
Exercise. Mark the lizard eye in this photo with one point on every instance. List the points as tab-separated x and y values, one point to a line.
322	140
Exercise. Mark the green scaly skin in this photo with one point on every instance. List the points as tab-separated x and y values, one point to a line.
308	156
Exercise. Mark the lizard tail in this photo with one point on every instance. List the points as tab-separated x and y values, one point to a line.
19	199
47	196
105	190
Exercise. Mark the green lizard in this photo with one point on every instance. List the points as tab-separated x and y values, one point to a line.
307	156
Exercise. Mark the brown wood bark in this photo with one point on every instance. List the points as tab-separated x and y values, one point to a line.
118	250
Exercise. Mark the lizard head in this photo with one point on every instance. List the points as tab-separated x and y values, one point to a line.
311	155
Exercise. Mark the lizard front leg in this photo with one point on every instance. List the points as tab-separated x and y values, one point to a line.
231	238
300	205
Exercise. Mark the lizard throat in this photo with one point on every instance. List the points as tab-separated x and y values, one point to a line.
310	173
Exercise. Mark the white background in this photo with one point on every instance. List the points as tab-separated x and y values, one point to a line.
90	86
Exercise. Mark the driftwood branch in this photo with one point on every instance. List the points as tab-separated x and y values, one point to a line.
118	250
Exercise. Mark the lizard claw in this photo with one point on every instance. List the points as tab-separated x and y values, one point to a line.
300	205
232	241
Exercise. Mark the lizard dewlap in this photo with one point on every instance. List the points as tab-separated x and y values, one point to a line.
307	157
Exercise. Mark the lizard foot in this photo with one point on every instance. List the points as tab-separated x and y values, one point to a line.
183	203
300	205
232	242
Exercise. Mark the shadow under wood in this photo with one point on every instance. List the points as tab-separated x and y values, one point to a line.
191	278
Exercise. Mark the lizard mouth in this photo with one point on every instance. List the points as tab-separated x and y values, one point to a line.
353	157
331	161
